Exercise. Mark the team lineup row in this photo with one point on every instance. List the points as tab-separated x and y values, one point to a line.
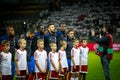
56	62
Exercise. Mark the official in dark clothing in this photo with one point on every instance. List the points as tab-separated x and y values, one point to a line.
70	38
31	46
105	49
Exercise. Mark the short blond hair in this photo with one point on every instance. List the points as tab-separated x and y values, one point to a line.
51	44
62	42
20	40
40	40
75	40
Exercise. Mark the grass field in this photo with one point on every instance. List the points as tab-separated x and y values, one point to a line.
95	71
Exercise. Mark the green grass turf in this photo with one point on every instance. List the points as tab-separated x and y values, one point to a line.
95	71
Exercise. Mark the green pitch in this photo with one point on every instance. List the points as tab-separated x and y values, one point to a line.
95	71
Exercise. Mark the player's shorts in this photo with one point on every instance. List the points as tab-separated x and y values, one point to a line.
6	77
40	76
73	70
63	73
23	73
84	69
53	75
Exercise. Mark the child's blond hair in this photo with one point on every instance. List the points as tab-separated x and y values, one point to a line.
20	40
62	42
51	44
75	40
40	40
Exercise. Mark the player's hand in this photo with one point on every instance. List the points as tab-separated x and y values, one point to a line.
40	71
44	71
57	70
26	72
80	66
74	66
62	70
18	72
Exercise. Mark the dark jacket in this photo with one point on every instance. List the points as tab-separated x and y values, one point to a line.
31	46
48	39
69	47
60	36
104	42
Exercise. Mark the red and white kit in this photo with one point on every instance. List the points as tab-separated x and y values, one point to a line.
53	57
40	57
84	59
63	60
5	65
75	52
21	56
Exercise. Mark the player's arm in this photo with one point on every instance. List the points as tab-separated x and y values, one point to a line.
16	63
27	69
36	61
37	65
54	65
72	58
80	58
45	63
60	64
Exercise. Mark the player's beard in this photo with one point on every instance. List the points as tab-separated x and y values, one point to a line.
52	32
11	36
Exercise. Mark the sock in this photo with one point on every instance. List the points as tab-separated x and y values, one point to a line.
76	78
72	78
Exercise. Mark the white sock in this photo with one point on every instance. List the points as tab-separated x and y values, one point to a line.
72	78
76	78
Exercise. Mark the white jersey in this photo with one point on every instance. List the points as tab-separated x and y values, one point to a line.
21	56
53	57
84	55
5	63
40	57
75	52
63	58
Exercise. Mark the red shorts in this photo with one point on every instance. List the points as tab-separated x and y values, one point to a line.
63	73
6	77
23	73
84	68
40	76
75	70
53	75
